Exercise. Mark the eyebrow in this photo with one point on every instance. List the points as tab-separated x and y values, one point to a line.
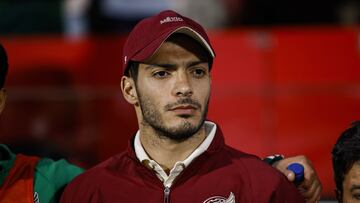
172	66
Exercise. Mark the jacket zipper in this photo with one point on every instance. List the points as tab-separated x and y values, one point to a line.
167	195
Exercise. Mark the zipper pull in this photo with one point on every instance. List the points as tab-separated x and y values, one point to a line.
167	195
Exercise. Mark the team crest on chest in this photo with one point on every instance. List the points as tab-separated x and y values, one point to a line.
220	199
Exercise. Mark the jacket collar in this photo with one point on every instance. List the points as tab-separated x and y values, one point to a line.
217	144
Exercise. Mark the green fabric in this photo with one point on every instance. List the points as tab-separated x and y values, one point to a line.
50	176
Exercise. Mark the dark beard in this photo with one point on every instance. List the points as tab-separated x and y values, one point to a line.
152	117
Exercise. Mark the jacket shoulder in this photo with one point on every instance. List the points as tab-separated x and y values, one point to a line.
251	164
262	177
86	187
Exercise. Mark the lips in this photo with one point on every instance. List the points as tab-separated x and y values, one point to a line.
184	109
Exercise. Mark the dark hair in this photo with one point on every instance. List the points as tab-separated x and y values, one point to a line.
345	153
132	70
3	66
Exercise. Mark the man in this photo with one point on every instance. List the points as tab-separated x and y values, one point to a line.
346	165
28	179
177	156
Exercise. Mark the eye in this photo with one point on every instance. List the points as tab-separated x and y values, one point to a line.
198	72
161	74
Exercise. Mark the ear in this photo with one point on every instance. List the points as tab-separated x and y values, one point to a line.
2	99
128	89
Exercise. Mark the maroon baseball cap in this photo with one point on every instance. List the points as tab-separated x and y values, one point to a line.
148	35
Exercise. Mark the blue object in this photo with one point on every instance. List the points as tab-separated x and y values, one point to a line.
298	170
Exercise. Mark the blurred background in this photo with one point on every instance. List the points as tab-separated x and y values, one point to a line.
286	78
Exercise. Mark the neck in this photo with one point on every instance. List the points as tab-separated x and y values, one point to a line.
165	151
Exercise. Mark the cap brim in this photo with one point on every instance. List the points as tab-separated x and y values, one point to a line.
192	33
151	49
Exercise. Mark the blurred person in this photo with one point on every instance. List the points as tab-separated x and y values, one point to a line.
82	17
75	19
214	13
29	179
176	155
346	165
349	12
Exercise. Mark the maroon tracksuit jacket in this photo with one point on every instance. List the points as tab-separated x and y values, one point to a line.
220	174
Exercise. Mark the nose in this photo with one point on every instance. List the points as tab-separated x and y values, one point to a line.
182	86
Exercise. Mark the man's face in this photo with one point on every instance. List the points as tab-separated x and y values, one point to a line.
351	185
173	89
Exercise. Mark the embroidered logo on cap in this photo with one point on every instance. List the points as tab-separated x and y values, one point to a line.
171	19
220	199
